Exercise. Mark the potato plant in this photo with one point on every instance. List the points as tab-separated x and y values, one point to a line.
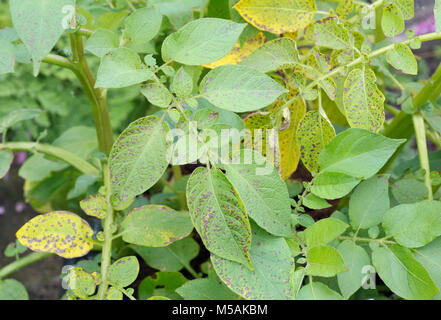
281	150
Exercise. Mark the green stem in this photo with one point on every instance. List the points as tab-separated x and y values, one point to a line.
382	241
107	247
420	132
22	262
70	158
59	61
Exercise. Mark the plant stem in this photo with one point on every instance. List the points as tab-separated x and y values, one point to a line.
68	157
107	247
382	240
420	132
22	262
59	61
97	97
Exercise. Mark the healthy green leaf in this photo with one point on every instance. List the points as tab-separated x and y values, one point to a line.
324	261
7	56
155	226
324	231
142	25
201	41
402	58
205	289
429	256
6	158
11	289
17	116
239	89
317	291
164	284
409	191
219	215
311	201
121	68
333	185
437	14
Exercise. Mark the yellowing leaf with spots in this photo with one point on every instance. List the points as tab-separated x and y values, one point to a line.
60	232
277	16
95	206
363	101
289	150
238	53
314	133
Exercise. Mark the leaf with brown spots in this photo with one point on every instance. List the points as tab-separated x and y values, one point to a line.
155	226
95	206
277	16
219	215
60	232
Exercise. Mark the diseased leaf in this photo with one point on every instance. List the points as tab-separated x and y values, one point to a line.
330	33
324	261
403	274
138	158
39	24
409	191
262	191
414	225
155	226
182	83
392	21
313	135
369	203
205	289
405	6
240	52
273	271
274	55
7	56
123	271
101	42
239	89
95	206
219	215
363	101
142	25
202	41
157	94
402	58
60	232
121	68
345	8
277	16
82	283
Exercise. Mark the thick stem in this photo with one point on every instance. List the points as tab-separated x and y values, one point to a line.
22	262
107	247
70	158
420	132
97	97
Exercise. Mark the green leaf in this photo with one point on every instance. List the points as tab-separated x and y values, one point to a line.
262	191
79	140
277	16
329	33
142	25
157	94
121	68
219	215
273	269
402	58
95	206
333	185
182	83
39	23
324	231
324	261
272	56
102	42
202	41
355	258
17	116
7	56
409	191
314	133
82	184
369	203
123	272
392	21
239	89
6	158
11	289
437	14
164	284
114	294
205	289
173	257
311	201
155	226
403	274
414	225
357	153
363	101
138	158
405	6
82	283
429	256
317	291
60	232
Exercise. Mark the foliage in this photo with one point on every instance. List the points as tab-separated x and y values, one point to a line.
180	127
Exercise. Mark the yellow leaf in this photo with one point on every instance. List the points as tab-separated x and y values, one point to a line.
279	16
289	150
60	232
314	133
238	53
